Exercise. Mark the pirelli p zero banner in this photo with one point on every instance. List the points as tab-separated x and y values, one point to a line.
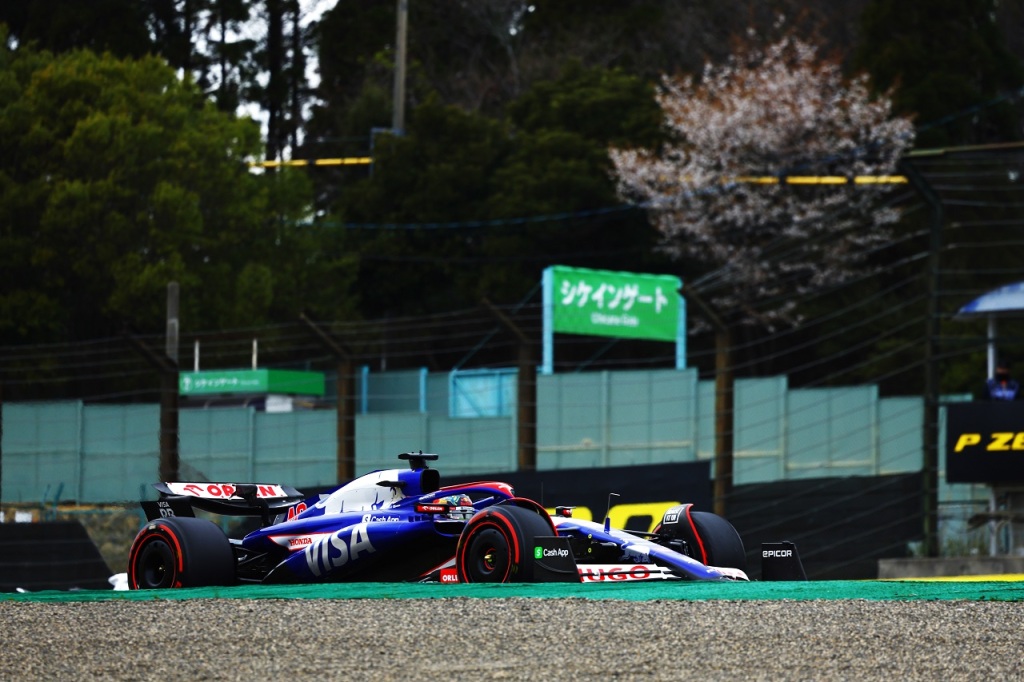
985	442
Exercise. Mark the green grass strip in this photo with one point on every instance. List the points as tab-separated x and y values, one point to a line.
905	590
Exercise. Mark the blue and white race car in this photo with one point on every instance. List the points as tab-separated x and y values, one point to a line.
402	525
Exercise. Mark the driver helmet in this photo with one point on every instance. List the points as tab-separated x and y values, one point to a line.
460	500
459	504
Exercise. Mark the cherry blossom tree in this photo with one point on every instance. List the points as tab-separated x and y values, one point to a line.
724	189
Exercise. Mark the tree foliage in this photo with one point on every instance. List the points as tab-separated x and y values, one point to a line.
116	178
774	112
949	60
478	207
512	106
116	26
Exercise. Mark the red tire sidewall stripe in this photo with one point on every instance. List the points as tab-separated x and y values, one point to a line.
700	543
142	539
502	525
501	528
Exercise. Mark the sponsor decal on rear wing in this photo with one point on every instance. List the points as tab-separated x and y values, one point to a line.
228	491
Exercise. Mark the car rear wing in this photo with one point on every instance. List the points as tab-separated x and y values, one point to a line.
265	500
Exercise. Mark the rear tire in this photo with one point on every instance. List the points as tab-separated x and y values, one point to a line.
496	546
180	552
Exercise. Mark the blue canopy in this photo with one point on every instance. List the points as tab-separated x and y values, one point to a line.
1003	300
1007	299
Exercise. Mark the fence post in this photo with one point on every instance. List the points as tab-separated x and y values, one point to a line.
1	442
346	420
724	399
168	369
526	393
930	459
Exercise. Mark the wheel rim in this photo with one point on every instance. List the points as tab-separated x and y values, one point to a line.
489	559
488	556
156	566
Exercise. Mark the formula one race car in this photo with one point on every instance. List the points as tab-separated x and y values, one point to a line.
401	525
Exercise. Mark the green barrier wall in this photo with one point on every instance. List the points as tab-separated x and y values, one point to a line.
107	453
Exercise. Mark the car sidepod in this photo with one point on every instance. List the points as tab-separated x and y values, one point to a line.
377	547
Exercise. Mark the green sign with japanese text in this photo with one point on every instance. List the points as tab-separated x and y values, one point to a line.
267	381
618	304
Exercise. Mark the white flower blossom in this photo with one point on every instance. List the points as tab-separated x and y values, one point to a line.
775	112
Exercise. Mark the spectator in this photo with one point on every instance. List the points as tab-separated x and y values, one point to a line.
1002	386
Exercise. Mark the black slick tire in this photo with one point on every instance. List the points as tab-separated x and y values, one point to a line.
496	546
180	552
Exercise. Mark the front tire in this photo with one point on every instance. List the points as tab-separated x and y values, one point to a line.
723	543
496	546
180	552
711	540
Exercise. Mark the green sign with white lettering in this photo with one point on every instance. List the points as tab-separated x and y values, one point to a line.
618	304
262	381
